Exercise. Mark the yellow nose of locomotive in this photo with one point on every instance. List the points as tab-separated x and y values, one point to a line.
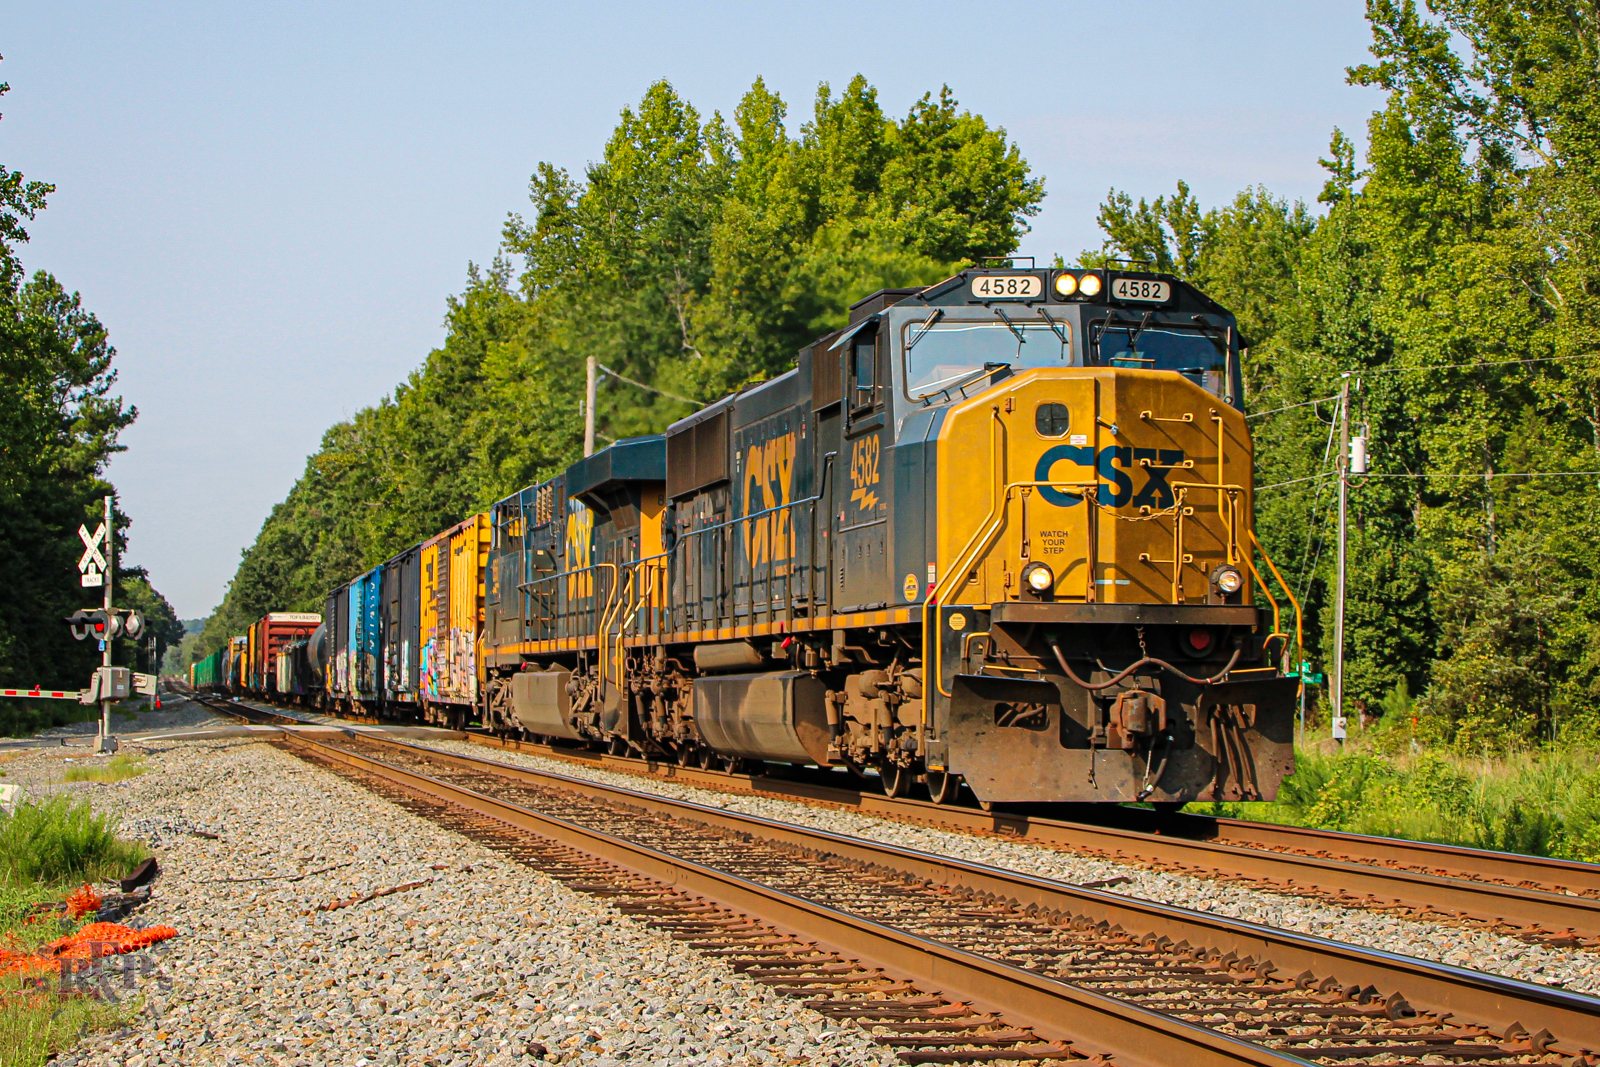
1094	485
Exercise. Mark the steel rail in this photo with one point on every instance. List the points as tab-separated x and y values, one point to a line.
1051	1008
1480	884
1488	1000
1457	860
1357	874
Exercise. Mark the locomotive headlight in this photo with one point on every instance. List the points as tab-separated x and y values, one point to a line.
1038	577
1066	284
1089	285
1228	580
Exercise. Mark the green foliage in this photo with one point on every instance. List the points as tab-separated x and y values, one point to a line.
694	256
114	770
60	841
1541	804
1453	282
23	718
59	423
34	1029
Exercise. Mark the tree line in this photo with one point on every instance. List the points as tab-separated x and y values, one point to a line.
1452	279
1450	276
59	424
696	255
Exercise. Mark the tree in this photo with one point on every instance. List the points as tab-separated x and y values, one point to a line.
693	257
59	424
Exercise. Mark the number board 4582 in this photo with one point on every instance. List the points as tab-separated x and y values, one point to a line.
1007	287
1144	290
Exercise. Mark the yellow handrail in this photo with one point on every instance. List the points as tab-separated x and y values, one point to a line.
1299	618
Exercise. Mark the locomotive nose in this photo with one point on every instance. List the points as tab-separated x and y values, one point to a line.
1130	486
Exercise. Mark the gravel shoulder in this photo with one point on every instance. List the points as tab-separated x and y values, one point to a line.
1573	969
486	962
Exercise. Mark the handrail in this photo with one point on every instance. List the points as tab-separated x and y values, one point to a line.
603	631
607	609
1299	618
995	525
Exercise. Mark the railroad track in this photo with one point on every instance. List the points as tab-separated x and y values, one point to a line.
1542	901
956	962
1546	901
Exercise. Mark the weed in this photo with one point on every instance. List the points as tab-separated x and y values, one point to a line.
46	850
34	1026
59	841
1540	803
121	766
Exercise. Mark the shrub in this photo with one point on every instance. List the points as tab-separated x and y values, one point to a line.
59	841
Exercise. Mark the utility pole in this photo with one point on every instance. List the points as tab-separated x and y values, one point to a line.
1338	603
588	407
105	742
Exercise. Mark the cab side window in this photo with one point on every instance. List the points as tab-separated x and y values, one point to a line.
865	388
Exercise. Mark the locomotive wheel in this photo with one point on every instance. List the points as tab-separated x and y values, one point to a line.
731	764
896	779
684	755
943	787
707	758
619	745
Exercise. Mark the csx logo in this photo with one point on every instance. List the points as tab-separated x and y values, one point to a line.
580	549
768	483
1116	487
864	472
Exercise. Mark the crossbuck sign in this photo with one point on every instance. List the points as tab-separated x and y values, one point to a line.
92	564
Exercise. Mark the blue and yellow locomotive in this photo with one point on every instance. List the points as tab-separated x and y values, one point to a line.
996	531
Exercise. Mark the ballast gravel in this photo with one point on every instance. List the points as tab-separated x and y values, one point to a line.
486	962
1573	969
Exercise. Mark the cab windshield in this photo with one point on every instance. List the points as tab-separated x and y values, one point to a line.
951	352
1198	356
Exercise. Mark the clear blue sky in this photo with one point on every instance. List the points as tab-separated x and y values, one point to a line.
268	204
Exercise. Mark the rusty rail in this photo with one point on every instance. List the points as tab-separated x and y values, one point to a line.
1485	886
1571	1022
1053	1009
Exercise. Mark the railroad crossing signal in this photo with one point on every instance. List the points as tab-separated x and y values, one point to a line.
92	564
105	625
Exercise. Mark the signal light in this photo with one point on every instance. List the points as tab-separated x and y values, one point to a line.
79	621
104	626
1089	285
1228	580
96	623
1066	284
1199	639
1038	579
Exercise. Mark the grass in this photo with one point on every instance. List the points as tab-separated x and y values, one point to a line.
47	850
62	843
34	1026
120	767
1539	802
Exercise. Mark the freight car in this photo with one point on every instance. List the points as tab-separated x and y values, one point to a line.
997	531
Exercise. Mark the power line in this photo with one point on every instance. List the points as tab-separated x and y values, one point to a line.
648	388
1295	481
1498	474
1458	366
1291	407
